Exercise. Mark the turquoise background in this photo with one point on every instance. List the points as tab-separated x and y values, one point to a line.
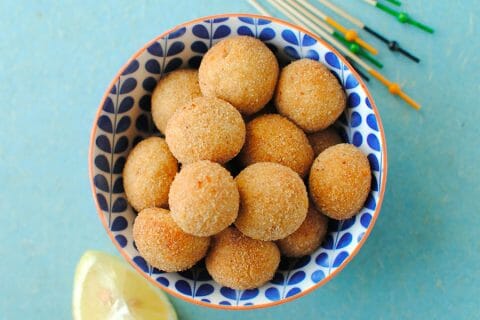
422	259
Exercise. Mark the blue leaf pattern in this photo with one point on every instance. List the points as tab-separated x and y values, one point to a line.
164	281
293	292
119	205
199	47
183	287
123	124
340	258
173	64
365	219
105	124
119	224
140	262
177	33
153	66
121	240
272	294
291	52
266	34
297	277
145	103
322	259
245	31
119	164
353	100
103	143
131	68
101	183
108	106
221	32
102	202
290	37
149	84
332	60
344	241
118	186
204	290
156	49
318	276
121	145
249	294
200	31
228	293
126	105
101	163
175	48
128	86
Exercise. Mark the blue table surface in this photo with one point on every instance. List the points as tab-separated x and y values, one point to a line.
422	259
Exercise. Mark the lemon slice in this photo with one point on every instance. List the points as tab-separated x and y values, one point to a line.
106	288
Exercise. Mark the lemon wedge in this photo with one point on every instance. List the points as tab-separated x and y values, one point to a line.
107	288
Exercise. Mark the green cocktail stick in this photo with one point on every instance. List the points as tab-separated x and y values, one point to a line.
402	17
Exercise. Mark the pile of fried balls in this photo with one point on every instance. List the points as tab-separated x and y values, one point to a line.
243	140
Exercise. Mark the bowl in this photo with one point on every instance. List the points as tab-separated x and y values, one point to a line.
123	119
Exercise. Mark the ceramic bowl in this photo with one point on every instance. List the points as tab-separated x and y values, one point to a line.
123	119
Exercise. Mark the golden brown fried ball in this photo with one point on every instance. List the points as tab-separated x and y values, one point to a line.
324	139
309	95
205	129
172	91
274	138
148	173
273	201
241	70
163	244
307	238
340	181
204	198
239	262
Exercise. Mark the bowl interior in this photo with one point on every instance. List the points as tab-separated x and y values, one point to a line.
124	119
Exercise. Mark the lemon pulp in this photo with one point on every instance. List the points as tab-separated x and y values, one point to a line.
106	288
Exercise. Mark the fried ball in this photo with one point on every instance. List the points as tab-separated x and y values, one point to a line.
309	95
163	244
340	181
241	70
324	139
307	238
205	129
148	174
172	91
273	138
273	201
203	198
239	262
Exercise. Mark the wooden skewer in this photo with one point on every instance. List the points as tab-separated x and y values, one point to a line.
349	34
259	8
299	19
354	47
392	44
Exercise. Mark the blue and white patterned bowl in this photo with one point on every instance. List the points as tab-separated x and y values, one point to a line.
124	118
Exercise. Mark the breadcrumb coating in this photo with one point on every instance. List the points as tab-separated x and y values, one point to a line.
340	181
163	244
239	262
204	198
241	70
173	91
205	129
148	174
273	201
309	95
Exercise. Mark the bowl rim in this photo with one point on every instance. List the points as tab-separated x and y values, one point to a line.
380	196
